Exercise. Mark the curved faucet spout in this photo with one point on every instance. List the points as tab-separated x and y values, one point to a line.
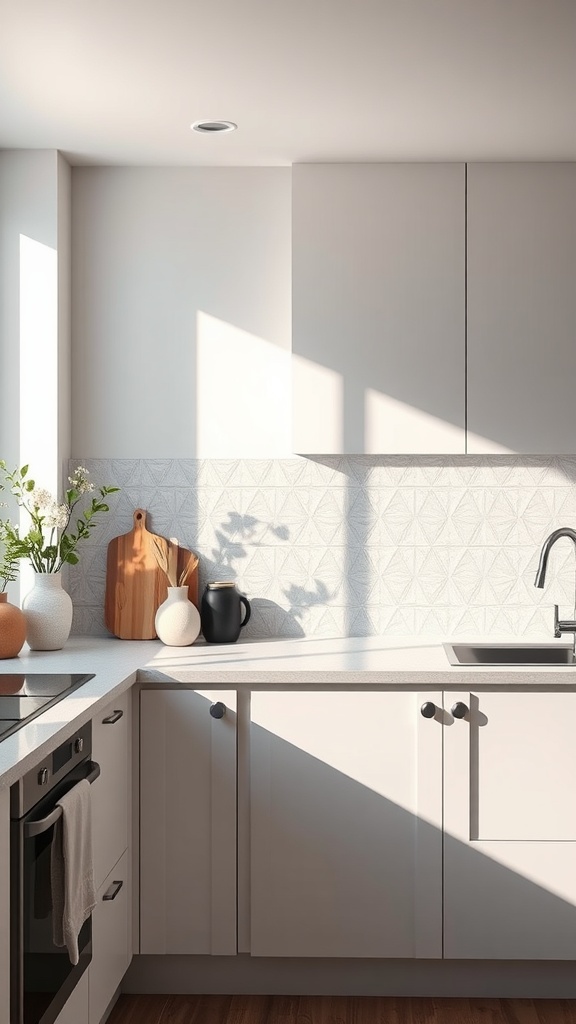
563	531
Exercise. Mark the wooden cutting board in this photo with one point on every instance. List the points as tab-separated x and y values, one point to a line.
136	586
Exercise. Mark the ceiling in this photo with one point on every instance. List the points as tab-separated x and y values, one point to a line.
120	81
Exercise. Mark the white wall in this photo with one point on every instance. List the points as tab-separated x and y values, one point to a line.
181	283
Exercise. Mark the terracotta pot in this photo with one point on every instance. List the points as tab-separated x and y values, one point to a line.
12	628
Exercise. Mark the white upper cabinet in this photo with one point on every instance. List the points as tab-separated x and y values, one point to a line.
378	308
521	308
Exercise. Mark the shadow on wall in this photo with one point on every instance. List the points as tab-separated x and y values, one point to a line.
236	540
354	546
505	466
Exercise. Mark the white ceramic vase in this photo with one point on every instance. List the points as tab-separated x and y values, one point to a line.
177	619
48	611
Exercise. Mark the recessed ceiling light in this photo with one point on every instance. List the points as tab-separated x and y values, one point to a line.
211	127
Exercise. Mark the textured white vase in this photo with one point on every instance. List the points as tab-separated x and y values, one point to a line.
48	611
177	619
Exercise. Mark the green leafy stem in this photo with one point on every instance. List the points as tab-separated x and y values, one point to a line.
47	546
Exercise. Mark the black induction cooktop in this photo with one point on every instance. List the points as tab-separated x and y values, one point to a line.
24	695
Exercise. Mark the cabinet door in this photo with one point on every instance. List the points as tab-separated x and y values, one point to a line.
510	821
378	308
521	307
111	796
346	825
110	939
188	823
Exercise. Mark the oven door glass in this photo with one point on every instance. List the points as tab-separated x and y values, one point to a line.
47	975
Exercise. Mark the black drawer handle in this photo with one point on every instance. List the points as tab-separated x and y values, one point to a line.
113	891
114	717
459	709
428	709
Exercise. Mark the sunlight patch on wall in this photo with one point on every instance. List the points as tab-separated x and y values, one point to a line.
320	392
233	418
392	426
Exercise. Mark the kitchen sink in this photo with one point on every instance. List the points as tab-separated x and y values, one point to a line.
510	654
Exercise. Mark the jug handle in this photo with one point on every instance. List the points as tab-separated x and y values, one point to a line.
246	603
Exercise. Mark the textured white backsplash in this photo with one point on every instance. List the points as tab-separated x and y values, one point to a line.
355	545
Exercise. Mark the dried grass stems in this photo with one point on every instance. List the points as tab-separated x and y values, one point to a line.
166	555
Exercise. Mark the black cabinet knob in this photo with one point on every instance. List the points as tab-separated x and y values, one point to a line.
428	709
218	710
459	709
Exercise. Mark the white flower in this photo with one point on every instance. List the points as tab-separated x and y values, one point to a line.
41	498
80	480
57	515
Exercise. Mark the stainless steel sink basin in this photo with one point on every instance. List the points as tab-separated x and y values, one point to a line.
510	654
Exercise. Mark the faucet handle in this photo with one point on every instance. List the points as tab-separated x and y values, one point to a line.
557	630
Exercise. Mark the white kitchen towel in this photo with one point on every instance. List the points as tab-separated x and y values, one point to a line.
72	874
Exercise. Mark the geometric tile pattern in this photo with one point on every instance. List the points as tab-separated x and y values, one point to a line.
356	545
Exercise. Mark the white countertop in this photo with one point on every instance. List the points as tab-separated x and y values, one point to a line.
357	661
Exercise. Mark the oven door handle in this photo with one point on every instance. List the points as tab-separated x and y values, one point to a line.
35	828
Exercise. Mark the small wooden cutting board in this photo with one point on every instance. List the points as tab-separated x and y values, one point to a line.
136	586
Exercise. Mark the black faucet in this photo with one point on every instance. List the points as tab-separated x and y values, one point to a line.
560	625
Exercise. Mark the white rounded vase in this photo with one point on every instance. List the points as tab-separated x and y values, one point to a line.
177	619
48	611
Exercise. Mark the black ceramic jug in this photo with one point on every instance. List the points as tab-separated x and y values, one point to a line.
220	613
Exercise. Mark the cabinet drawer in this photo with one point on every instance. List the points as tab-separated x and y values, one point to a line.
110	939
111	736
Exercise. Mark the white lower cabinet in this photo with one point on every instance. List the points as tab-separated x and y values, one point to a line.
367	840
373	824
346	824
111	793
76	1009
188	822
110	939
510	826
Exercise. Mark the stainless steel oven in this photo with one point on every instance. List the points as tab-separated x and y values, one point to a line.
42	976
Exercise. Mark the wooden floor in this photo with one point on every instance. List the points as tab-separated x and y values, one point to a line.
338	1010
